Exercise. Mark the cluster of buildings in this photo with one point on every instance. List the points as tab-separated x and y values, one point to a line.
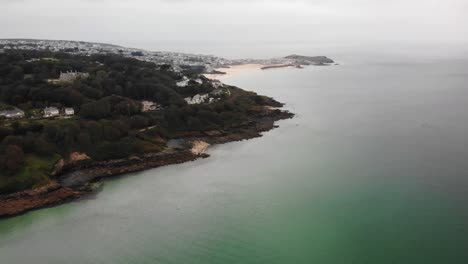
87	48
47	112
209	97
199	99
77	47
185	81
175	59
203	98
55	112
69	76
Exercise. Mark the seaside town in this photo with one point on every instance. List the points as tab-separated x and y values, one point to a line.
86	48
179	63
177	60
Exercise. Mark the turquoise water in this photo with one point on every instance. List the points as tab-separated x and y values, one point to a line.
374	169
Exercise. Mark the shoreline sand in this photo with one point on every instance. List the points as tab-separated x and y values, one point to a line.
234	71
199	147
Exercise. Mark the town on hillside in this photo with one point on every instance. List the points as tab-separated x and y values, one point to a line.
179	61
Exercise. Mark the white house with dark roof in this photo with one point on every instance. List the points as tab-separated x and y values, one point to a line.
51	112
69	111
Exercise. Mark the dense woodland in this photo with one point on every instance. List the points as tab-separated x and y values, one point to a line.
109	122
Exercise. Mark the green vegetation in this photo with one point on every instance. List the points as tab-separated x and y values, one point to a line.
34	173
109	123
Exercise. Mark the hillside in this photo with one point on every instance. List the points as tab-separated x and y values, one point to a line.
104	107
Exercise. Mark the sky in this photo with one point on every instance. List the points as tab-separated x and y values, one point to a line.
204	25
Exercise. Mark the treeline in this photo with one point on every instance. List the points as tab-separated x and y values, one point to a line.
66	136
237	110
24	75
22	145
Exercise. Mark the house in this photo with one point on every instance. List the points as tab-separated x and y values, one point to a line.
184	82
15	113
197	99
69	111
217	84
147	106
51	112
71	76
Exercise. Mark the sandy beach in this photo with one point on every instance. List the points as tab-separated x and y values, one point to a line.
234	70
199	147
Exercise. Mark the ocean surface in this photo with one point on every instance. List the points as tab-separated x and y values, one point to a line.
372	170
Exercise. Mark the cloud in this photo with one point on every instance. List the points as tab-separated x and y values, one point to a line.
146	22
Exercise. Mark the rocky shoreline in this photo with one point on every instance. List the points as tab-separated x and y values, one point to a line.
73	180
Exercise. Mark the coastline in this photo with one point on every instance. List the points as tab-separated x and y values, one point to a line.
234	71
75	181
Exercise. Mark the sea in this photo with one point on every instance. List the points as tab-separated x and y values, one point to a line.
373	169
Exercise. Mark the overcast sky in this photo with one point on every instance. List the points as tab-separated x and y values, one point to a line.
166	23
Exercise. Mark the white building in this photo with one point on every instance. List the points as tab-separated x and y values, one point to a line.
51	111
147	106
15	113
69	111
184	82
71	76
197	99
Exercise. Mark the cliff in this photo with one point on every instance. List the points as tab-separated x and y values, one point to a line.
73	179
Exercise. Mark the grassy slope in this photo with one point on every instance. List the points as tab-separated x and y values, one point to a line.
33	174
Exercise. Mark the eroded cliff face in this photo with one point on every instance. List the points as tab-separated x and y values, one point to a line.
73	184
51	194
79	176
73	176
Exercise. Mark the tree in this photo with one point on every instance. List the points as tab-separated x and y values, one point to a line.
4	132
138	122
96	110
14	158
43	148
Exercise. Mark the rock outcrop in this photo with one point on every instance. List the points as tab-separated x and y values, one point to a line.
48	195
305	60
74	176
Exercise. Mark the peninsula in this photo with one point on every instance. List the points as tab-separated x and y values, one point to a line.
70	117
